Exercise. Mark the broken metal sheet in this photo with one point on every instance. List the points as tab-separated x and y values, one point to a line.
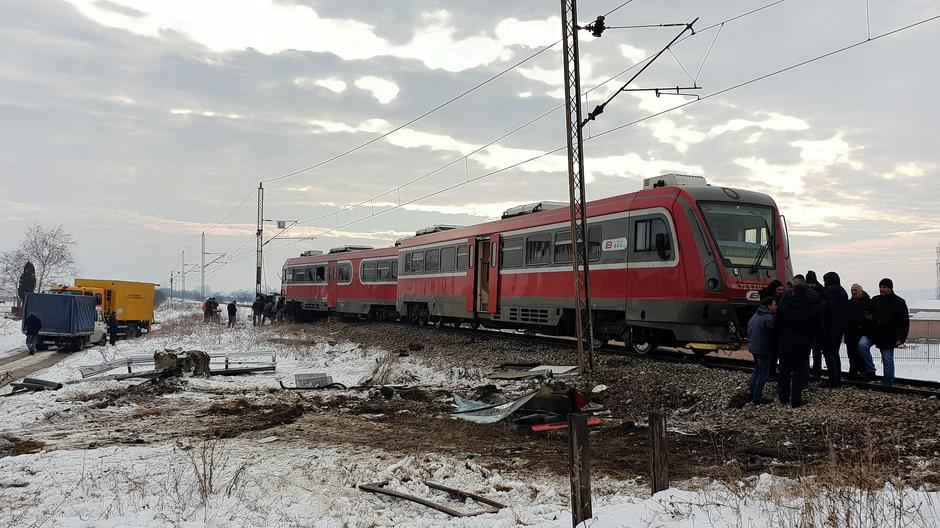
556	370
483	413
379	487
518	374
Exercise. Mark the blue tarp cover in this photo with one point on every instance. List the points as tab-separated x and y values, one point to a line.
62	314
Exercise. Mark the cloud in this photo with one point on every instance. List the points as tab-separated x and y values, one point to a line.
909	169
202	113
634	55
525	94
330	83
270	27
383	90
371	126
774	121
816	158
665	130
531	33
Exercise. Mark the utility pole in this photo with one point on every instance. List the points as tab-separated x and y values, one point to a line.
171	285
938	271
579	243
202	269
183	274
260	244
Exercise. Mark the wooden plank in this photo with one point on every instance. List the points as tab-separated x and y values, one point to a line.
659	453
579	452
379	487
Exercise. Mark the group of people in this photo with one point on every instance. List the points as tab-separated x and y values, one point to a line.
264	310
806	319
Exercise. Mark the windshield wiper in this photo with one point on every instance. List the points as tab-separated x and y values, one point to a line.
763	249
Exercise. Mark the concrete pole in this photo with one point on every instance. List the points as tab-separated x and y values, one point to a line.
202	269
183	274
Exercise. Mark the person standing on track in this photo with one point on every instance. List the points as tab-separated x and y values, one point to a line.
890	323
799	324
760	341
232	311
835	308
775	289
855	327
32	325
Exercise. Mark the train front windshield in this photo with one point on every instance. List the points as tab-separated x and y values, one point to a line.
744	232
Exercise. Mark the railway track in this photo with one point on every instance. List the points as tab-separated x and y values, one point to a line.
915	387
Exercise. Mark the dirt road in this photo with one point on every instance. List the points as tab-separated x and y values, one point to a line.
21	364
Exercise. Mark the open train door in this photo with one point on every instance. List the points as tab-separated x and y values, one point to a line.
331	275
472	267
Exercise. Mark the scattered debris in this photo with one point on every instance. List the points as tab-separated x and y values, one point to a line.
547	405
599	389
592	422
380	488
196	361
312	380
339	386
33	385
268	440
520	371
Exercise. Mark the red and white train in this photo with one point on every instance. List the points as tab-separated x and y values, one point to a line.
672	264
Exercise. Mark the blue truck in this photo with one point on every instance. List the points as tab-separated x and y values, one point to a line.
68	321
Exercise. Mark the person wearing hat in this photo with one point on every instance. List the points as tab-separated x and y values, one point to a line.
760	342
890	322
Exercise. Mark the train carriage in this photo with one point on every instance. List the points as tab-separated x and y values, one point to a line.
672	264
353	280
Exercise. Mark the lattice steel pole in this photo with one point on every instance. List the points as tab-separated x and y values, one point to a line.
579	242
259	234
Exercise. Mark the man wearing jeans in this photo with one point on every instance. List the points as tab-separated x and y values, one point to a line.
890	323
31	326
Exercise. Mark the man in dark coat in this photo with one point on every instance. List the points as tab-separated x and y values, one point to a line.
760	342
814	285
775	289
31	326
279	309
835	308
112	328
256	308
855	327
890	323
232	311
799	324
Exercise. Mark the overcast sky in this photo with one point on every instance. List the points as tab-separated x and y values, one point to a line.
137	124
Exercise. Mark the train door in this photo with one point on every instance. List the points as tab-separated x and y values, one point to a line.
481	270
493	304
331	276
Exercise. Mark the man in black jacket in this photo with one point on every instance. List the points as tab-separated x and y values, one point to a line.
256	308
31	326
232	311
890	322
835	308
855	327
799	324
814	285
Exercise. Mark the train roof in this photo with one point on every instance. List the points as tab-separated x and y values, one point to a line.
344	255
660	196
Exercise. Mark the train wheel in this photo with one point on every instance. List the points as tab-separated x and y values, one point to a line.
475	325
439	323
422	318
644	342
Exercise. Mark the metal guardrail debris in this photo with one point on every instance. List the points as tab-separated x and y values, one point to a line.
380	488
230	361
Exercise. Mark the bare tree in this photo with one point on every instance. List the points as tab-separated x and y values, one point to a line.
50	251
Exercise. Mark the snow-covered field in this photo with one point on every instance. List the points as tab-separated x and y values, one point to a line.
11	336
100	466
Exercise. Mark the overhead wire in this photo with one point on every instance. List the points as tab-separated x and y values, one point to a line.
637	121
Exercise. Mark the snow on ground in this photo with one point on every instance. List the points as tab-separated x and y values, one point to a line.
259	480
11	336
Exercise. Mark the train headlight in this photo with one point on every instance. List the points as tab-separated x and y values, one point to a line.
712	283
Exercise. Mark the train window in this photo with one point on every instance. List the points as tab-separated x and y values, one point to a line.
394	270
645	231
299	275
408	266
432	260
448	258
368	271
383	270
417	262
463	254
563	247
512	253
538	249
319	274
594	243
641	236
345	272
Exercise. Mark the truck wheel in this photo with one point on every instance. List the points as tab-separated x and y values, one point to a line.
103	341
132	332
